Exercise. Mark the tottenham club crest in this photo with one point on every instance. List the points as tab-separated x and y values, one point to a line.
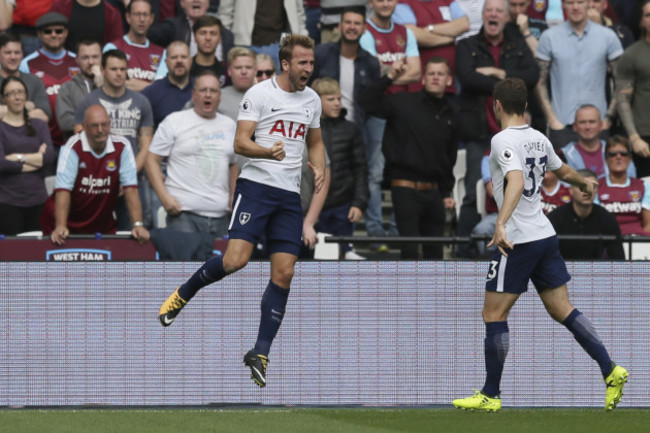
244	217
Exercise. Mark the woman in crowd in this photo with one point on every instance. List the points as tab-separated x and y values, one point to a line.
25	147
626	197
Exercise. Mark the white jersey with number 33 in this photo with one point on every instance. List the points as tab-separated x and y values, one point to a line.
525	149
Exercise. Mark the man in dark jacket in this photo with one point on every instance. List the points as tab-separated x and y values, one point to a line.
348	190
420	147
496	52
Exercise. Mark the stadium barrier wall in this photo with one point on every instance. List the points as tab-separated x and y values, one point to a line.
355	333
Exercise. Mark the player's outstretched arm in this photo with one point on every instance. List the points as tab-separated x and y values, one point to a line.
568	174
511	195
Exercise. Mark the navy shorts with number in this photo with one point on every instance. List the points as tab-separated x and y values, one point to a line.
260	210
539	261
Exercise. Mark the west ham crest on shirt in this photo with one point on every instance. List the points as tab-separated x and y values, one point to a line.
111	165
539	5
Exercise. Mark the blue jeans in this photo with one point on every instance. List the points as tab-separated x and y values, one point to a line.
485	228
375	134
313	19
189	222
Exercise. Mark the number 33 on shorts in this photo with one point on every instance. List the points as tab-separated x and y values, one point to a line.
493	271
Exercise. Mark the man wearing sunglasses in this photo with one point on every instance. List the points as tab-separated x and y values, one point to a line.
52	63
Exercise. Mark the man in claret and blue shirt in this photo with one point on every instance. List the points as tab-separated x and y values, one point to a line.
283	115
143	56
528	248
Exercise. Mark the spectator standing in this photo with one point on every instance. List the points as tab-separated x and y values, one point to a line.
572	83
90	19
89	59
179	28
633	93
537	9
131	116
143	56
330	18
531	28
348	188
482	61
23	21
588	151
259	25
597	14
420	145
626	197
355	69
241	70
25	147
201	170
436	25
94	166
174	90
583	217
11	54
52	63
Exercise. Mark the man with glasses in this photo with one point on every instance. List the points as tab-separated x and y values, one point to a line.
201	169
52	63
11	54
143	55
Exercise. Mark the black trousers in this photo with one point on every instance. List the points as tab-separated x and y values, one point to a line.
14	219
419	213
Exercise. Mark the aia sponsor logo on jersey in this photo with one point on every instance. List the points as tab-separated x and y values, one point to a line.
288	130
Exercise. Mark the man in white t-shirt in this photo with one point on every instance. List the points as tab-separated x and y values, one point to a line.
201	168
528	248
283	115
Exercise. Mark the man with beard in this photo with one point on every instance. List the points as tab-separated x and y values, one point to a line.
171	93
89	58
143	55
283	116
356	69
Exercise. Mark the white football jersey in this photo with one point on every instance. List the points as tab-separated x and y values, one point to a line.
523	148
280	116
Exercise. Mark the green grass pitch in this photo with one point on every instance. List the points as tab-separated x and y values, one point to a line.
326	420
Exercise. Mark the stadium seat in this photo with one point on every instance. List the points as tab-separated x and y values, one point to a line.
459	173
326	251
32	233
480	198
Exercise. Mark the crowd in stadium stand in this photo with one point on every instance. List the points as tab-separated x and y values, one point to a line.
585	63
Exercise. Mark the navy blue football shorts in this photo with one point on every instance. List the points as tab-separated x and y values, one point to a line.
264	211
539	261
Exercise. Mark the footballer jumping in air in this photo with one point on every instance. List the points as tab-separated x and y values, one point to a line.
284	116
